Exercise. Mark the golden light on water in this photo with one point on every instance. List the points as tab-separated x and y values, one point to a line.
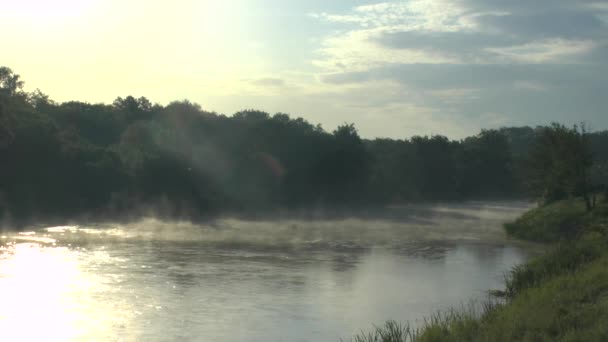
36	287
237	280
44	293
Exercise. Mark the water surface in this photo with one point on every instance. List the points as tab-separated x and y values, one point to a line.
262	280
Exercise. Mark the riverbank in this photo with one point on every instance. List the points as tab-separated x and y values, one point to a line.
561	295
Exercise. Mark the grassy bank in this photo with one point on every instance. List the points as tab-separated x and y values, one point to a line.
564	220
559	296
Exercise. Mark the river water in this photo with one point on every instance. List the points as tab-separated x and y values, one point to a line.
251	280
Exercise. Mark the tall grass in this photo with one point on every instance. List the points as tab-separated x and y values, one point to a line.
450	325
565	258
554	222
559	296
565	220
571	306
390	332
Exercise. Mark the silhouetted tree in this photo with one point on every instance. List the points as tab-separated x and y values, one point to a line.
61	160
10	83
486	165
438	167
560	163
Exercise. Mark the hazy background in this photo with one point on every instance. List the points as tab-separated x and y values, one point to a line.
394	68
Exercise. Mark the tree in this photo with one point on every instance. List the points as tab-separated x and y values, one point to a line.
486	168
134	109
395	172
6	126
38	99
10	88
10	83
436	158
345	167
559	165
251	115
599	177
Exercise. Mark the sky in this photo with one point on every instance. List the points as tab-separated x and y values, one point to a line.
394	68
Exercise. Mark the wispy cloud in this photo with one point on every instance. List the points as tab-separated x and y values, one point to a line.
438	31
550	50
434	15
359	47
474	59
267	82
358	50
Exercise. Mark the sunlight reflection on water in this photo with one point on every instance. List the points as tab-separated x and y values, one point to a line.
39	292
46	295
244	281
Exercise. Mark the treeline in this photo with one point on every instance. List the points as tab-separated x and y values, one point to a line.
75	158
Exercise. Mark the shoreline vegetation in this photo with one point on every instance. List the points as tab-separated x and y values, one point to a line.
561	295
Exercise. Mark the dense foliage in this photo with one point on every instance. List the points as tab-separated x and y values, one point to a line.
560	164
74	158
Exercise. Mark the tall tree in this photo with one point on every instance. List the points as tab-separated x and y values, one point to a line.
436	156
11	89
10	83
559	164
486	169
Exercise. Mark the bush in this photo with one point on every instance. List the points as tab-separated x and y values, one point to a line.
561	220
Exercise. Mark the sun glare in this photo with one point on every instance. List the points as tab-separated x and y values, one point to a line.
39	290
43	9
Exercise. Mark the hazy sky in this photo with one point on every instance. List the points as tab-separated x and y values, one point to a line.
395	69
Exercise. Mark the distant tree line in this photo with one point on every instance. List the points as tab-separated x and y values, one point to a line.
61	160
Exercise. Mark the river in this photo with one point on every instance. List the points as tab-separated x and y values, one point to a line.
251	280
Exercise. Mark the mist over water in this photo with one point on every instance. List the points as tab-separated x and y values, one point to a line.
315	278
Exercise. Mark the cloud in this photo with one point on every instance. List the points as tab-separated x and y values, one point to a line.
492	38
436	15
551	50
358	50
567	24
476	76
360	47
530	85
268	82
438	31
495	61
